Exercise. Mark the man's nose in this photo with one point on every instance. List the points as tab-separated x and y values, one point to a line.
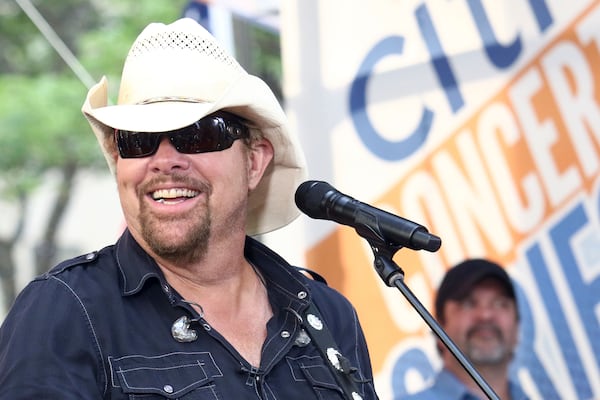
486	311
168	158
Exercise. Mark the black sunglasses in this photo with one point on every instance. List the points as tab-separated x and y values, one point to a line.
214	132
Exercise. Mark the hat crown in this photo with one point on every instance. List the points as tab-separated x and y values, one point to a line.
179	61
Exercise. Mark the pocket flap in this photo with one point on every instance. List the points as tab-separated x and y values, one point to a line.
170	375
313	370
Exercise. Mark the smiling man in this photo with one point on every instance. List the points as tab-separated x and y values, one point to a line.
187	305
477	307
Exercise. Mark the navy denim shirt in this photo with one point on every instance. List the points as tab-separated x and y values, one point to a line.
99	327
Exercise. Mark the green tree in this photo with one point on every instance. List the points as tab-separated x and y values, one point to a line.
41	126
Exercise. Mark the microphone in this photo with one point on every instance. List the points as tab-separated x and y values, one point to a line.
320	200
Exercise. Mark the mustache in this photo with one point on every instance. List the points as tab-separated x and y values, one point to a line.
174	179
485	326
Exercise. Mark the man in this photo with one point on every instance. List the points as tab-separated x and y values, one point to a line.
476	306
186	304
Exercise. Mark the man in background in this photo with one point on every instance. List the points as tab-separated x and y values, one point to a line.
476	306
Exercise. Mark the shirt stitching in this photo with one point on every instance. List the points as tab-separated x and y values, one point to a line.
91	325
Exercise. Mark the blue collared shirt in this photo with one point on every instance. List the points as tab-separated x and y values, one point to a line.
447	387
100	327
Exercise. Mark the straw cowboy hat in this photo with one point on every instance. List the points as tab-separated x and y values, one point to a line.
176	74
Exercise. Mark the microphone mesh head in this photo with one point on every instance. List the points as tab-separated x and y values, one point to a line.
309	198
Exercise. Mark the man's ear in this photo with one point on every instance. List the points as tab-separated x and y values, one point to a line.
110	147
260	155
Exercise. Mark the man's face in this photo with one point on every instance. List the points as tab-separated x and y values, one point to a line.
175	203
484	325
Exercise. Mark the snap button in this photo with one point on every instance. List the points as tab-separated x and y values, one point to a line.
168	388
314	321
285	334
90	256
302	295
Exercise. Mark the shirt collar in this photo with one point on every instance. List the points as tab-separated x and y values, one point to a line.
449	384
282	278
137	267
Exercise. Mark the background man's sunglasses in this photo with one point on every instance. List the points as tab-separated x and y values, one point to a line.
214	132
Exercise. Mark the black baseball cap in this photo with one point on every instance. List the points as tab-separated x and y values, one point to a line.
460	280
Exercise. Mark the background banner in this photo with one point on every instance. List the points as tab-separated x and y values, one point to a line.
479	119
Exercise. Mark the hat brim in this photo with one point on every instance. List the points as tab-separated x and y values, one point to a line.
150	117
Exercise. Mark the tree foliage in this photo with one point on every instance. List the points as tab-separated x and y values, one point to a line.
41	125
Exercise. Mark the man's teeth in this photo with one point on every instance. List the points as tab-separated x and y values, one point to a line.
163	195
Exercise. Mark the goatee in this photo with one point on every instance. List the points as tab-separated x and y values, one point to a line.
189	246
182	238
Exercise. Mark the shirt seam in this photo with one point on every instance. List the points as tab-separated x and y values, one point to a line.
91	327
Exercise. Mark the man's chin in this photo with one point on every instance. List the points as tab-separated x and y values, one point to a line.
175	241
179	252
487	356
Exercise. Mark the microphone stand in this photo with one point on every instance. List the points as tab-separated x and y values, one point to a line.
392	275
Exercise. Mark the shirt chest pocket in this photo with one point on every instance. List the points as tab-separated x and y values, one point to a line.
313	371
185	376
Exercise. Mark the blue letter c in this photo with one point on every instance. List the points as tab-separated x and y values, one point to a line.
387	150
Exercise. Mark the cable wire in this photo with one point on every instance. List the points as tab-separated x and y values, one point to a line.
56	42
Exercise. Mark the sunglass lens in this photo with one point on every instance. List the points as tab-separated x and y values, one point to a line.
136	144
203	136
